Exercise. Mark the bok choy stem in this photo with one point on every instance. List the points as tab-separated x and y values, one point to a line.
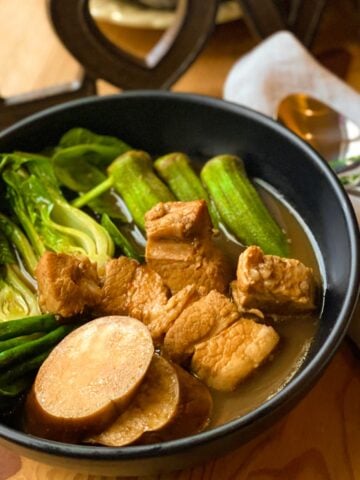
49	221
17	299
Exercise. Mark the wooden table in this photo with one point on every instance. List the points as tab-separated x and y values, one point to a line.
320	438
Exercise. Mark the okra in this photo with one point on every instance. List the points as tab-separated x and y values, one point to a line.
135	180
176	170
240	206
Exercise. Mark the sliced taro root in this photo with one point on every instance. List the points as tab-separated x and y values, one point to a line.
153	407
89	379
193	414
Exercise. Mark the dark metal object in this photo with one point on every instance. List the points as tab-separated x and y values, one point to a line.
266	17
14	108
176	50
201	126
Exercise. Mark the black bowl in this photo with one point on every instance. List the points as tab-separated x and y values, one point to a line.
201	126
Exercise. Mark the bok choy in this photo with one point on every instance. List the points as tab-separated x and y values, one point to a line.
17	298
48	220
133	177
80	161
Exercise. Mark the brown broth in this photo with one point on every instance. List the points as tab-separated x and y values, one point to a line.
296	333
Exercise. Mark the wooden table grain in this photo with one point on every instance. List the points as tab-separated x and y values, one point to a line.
320	438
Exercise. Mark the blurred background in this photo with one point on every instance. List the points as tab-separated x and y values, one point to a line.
32	57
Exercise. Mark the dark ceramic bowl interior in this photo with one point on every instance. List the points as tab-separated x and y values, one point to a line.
202	127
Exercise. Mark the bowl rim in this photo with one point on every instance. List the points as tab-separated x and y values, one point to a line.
298	385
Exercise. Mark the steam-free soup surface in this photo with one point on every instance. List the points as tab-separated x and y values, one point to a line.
296	333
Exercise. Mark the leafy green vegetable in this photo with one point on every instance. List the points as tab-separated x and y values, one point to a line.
79	175
133	177
49	221
16	297
80	136
15	235
343	164
80	161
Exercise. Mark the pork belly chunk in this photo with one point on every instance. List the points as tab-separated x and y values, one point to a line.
131	288
273	284
228	358
67	284
136	290
162	317
180	247
119	275
201	320
146	292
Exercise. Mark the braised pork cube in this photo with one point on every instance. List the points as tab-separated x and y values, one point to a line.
119	274
67	284
137	290
180	247
132	289
228	358
273	284
149	301
162	317
201	320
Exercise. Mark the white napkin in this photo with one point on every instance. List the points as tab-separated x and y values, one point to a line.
279	66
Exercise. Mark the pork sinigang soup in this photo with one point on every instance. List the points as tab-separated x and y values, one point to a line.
145	300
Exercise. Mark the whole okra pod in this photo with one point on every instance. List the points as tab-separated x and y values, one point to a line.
135	180
240	206
176	170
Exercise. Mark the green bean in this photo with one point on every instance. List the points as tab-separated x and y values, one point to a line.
23	326
29	349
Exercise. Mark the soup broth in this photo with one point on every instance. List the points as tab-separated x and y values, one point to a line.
296	333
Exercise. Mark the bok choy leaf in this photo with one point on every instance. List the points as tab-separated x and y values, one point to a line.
80	161
48	220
